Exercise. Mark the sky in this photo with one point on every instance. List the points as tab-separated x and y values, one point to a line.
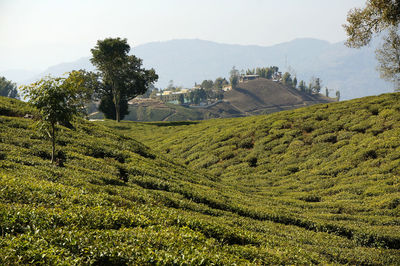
36	34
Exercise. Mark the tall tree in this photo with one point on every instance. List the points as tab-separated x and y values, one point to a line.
234	77
377	17
181	99
122	75
338	95
8	88
302	86
317	85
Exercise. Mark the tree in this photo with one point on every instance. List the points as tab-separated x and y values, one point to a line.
234	77
294	82
171	86
181	99
388	57
58	100
122	75
302	86
107	107
8	88
326	92
220	82
338	95
207	84
377	17
287	79
317	85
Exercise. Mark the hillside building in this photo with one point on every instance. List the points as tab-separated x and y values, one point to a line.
227	87
245	78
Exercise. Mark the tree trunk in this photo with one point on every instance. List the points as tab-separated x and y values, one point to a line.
117	99
53	141
117	115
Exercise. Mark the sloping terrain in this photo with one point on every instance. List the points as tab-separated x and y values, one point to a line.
330	167
198	196
263	96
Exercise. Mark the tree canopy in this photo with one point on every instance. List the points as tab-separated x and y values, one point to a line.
121	74
8	88
378	17
58	100
234	77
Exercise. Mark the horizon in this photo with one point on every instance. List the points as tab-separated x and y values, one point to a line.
67	30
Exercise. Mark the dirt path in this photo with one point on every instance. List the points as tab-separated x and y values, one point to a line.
168	116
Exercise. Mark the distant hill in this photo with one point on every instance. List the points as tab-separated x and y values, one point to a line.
352	71
261	96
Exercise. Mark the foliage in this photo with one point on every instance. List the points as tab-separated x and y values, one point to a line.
8	88
264	72
389	58
207	84
123	77
287	79
234	77
58	100
219	83
375	18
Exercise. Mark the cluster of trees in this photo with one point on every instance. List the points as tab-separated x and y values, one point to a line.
213	89
8	88
196	96
314	86
120	78
264	72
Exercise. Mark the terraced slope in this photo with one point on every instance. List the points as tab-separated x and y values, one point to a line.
114	201
330	167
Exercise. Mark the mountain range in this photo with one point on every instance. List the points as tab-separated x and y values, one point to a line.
351	71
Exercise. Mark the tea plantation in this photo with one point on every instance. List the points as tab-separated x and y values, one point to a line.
318	185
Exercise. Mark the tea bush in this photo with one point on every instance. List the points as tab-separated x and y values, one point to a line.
317	185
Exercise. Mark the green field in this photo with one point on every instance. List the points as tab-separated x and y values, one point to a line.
317	185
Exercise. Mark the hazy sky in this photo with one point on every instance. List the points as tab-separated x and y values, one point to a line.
35	34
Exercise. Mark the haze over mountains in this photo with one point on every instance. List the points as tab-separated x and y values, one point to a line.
352	71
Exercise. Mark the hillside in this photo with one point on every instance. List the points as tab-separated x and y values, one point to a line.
263	96
352	71
275	189
330	167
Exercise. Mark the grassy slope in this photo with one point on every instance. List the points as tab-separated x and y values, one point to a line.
213	208
330	167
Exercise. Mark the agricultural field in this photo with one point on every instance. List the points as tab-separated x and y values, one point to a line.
317	185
